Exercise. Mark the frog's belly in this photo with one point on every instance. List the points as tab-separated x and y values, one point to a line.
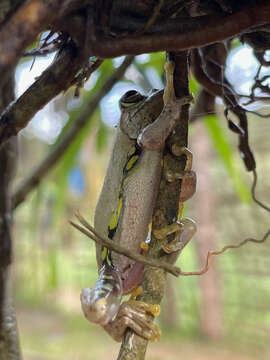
139	195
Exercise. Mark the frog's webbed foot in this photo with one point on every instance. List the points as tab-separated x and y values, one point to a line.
133	314
184	231
188	177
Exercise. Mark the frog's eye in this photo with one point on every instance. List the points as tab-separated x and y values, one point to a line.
131	98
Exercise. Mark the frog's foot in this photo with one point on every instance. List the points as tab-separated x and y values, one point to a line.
183	150
189	182
186	230
136	292
167	230
145	247
134	315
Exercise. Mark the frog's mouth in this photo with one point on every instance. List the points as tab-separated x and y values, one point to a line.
131	277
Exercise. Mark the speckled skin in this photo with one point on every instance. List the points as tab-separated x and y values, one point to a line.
140	190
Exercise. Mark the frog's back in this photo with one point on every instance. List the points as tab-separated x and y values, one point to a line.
139	195
109	195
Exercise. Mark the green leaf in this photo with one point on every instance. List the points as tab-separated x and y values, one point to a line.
102	136
236	43
157	60
193	85
223	149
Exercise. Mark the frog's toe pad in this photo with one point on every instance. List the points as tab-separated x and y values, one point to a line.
153	309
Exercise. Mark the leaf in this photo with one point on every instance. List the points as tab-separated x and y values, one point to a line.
193	85
223	149
102	136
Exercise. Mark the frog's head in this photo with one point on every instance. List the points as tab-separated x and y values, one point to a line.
130	100
138	111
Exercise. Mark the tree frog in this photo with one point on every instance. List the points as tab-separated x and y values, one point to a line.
125	206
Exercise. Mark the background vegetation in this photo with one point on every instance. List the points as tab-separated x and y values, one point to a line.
224	314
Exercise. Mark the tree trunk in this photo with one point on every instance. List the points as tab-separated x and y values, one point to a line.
9	343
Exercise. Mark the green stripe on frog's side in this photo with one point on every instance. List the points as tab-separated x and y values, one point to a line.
132	158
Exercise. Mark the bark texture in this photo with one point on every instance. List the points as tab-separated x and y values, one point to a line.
9	342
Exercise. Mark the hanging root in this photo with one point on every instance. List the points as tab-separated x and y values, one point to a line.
253	188
210	254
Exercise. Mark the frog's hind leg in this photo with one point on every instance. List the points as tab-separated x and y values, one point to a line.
133	314
169	93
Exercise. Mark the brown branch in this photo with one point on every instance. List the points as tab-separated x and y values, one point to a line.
21	30
218	29
154	16
9	343
89	231
56	78
78	123
31	18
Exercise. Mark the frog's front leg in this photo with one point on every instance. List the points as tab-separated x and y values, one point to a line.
188	176
184	231
153	136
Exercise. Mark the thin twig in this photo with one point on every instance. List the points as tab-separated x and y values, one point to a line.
154	17
70	135
253	188
89	231
210	254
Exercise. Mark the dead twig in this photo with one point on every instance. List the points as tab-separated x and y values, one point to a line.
253	188
89	231
210	254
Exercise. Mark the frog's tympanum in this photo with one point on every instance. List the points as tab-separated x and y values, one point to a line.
125	207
